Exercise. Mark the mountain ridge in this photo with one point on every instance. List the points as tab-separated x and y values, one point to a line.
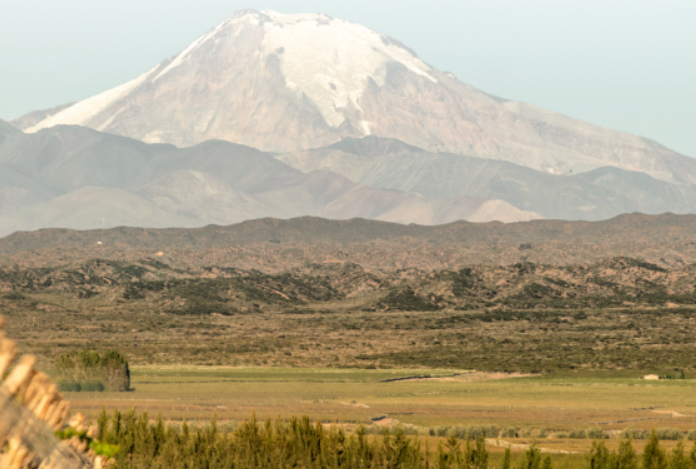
593	195
76	177
291	82
621	229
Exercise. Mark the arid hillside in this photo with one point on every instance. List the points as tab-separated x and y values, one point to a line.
274	246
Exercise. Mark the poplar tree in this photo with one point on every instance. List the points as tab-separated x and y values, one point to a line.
626	457
654	456
677	459
506	459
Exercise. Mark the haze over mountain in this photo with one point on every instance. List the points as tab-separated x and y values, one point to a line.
285	83
594	195
75	177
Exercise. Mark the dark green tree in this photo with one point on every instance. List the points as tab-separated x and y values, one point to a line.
599	457
626	456
654	456
677	460
546	463
506	459
532	457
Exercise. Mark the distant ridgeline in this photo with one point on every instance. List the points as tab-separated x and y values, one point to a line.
89	371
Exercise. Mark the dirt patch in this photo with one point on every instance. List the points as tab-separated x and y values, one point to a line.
387	422
504	444
672	413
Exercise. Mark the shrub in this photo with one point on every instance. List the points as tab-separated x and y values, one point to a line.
596	433
692	435
110	370
508	432
632	433
474	432
92	386
15	295
69	386
577	434
669	434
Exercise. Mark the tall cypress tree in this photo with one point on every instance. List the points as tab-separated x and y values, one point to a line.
599	457
677	460
626	457
506	459
532	457
654	456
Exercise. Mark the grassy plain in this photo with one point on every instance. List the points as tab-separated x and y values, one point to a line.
283	330
352	396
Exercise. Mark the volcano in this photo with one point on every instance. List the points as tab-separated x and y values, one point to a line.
285	83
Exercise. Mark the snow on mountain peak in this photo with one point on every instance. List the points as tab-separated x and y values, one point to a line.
331	60
327	60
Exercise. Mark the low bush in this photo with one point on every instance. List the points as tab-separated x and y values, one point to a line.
669	434
69	386
596	433
92	386
633	433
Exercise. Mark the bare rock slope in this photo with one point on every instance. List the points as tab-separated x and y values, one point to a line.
74	177
285	83
593	195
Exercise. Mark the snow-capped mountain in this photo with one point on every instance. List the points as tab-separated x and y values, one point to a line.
285	83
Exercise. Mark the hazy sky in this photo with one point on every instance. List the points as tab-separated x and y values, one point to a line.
629	65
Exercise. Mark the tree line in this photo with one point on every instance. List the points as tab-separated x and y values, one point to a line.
299	443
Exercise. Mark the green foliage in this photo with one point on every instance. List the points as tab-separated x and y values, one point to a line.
506	459
463	432
135	441
90	372
546	463
632	433
596	433
99	448
104	449
669	434
69	386
532	457
88	386
653	456
69	432
599	456
626	456
407	300
677	460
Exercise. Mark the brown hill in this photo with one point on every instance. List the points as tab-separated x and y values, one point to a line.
271	245
629	227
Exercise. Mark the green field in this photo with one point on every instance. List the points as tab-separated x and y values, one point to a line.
531	404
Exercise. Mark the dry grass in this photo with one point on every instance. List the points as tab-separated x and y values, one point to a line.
353	396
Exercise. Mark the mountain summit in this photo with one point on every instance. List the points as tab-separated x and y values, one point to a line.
285	83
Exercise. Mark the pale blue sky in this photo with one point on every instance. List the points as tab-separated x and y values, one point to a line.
629	65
